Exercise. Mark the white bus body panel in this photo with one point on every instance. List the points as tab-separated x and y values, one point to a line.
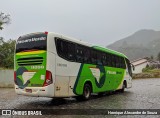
66	74
128	79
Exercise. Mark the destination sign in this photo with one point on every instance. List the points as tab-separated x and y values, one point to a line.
31	40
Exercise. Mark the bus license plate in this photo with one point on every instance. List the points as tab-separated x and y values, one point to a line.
29	90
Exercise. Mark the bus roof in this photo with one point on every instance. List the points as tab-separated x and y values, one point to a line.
109	51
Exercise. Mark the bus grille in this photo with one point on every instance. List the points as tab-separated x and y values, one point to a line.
30	61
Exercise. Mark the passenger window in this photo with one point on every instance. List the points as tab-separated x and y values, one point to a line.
99	58
87	56
113	61
123	65
117	61
79	54
109	60
104	59
65	49
93	57
71	51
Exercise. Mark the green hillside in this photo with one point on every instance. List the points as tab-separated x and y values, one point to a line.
141	44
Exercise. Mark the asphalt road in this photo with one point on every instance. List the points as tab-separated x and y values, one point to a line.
144	94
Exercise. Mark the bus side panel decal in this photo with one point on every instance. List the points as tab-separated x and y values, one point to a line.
78	77
102	78
89	72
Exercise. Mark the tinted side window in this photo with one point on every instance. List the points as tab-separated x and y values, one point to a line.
108	59
129	67
93	57
61	48
79	53
104	59
87	55
123	63
71	51
65	49
113	61
99	58
116	62
83	54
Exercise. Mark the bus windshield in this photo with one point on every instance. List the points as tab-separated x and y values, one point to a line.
32	42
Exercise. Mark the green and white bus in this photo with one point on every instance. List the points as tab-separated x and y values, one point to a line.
52	65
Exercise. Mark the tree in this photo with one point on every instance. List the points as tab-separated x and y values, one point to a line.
147	66
151	57
7	53
158	57
6	48
4	19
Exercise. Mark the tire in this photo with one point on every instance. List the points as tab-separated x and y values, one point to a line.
87	91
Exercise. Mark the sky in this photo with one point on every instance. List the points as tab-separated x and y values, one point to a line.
99	22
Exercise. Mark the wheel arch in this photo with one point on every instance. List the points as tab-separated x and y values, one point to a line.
90	83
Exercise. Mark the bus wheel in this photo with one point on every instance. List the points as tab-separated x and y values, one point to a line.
87	91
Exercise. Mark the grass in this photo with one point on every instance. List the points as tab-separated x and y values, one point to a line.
148	73
155	70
